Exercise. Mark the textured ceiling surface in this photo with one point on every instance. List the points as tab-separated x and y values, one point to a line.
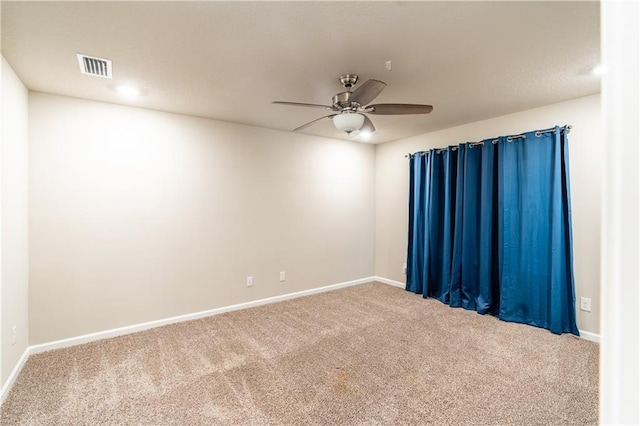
229	60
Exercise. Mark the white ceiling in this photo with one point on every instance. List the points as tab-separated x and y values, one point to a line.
229	60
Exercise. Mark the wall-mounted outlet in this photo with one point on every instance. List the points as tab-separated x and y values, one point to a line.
585	304
283	276
14	335
249	281
404	268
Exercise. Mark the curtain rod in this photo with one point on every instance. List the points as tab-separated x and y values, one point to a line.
510	138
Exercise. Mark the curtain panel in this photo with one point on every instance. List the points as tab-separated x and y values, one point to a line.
490	228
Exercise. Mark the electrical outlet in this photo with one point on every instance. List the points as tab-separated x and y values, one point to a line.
404	268
249	281
585	304
14	335
283	276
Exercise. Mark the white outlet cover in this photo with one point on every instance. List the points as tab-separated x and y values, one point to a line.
283	276
249	281
585	304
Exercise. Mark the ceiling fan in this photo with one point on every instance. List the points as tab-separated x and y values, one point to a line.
349	107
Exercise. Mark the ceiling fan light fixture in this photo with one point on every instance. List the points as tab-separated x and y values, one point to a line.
348	122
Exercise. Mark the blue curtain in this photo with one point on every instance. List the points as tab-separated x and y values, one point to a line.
490	228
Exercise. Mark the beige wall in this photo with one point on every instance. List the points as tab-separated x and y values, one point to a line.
138	215
13	210
586	150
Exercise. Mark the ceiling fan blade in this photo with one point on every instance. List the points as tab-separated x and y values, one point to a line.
367	92
396	109
368	125
301	104
313	121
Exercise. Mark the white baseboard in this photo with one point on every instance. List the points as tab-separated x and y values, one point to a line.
73	341
390	282
587	335
106	334
14	374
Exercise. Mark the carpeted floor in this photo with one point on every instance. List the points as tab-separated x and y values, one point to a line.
369	354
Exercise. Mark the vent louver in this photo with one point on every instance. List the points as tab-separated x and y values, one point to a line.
97	67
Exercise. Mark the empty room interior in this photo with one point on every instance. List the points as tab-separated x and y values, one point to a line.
319	213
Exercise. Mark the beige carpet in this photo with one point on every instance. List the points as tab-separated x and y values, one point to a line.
370	354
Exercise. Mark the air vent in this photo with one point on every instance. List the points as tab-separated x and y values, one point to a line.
96	67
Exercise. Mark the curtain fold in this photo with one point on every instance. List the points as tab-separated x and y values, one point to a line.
417	258
490	229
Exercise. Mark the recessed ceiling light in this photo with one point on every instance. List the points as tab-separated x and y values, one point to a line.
364	135
128	90
598	69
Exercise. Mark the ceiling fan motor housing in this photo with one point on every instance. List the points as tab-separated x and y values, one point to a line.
341	100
